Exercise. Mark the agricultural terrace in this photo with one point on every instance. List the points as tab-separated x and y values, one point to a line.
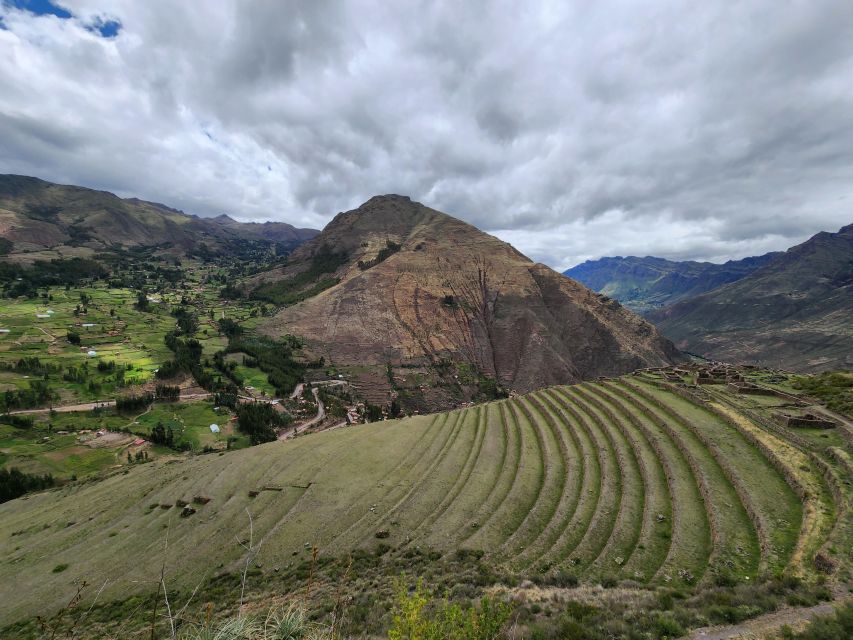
645	480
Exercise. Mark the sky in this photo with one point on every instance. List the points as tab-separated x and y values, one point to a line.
574	130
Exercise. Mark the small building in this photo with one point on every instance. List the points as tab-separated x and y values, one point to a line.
91	353
214	428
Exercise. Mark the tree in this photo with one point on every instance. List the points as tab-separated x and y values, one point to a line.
142	303
259	421
73	337
15	483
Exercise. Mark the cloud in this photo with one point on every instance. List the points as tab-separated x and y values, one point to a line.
573	130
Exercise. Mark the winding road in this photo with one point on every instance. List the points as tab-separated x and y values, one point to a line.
291	432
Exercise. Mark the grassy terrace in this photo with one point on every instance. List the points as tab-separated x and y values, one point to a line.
614	480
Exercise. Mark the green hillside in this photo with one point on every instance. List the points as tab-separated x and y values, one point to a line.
644	479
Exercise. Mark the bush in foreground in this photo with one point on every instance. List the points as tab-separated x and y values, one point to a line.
280	624
838	626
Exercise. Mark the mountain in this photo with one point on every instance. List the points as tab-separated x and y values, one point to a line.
36	215
423	308
646	284
793	313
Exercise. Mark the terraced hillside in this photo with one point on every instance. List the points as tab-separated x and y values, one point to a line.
645	478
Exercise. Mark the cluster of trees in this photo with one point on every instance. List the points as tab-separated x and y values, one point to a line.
372	412
31	364
17	280
299	287
187	321
139	456
37	394
15	483
187	357
390	249
230	328
275	358
128	404
259	420
162	435
19	422
225	399
76	374
142	303
167	393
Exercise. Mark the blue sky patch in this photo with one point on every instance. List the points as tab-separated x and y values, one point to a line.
39	7
107	28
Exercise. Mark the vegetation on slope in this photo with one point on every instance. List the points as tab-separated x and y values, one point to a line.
306	284
635	484
834	389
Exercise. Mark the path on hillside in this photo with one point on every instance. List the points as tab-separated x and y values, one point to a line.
321	414
766	624
290	432
101	404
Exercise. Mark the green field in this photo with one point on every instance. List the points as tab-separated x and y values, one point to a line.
623	480
111	329
66	444
190	422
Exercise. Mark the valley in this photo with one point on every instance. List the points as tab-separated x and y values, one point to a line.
400	395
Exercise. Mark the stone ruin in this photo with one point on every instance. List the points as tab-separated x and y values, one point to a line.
748	388
807	421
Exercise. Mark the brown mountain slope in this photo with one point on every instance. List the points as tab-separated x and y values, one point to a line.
36	215
449	306
795	313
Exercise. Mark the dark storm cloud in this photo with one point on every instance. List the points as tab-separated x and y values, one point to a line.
574	130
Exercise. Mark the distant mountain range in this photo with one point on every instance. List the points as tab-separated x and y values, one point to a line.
646	284
36	216
427	309
795	312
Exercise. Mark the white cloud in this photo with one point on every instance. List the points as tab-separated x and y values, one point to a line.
693	131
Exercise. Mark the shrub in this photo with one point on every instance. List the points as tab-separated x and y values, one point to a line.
412	619
279	624
838	626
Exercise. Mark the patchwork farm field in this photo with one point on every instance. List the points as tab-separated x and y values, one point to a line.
641	481
81	444
108	327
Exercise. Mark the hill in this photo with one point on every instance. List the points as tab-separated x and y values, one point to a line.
646	284
425	309
36	215
793	313
644	479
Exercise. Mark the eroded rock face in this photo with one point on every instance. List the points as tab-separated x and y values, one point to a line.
446	291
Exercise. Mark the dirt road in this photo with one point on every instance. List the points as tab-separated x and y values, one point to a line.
321	414
763	626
